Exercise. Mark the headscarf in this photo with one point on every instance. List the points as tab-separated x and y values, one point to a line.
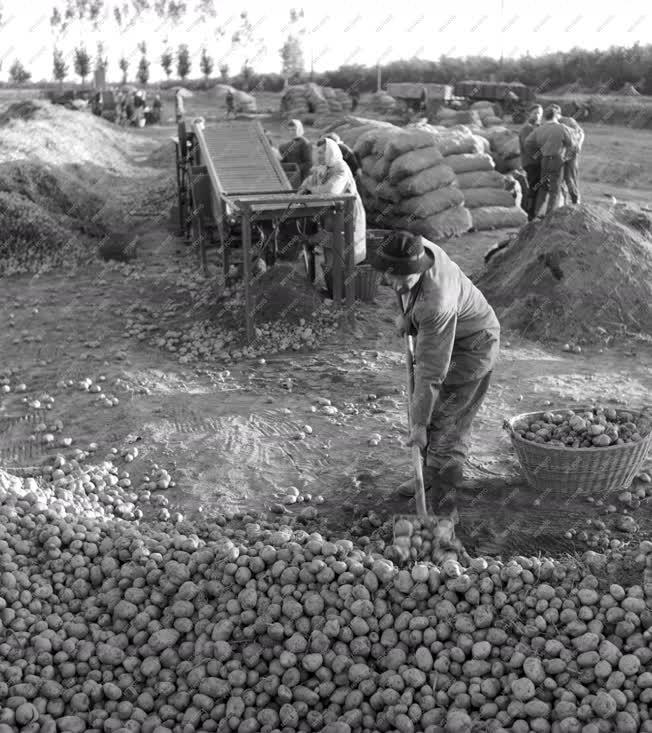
332	153
333	136
298	127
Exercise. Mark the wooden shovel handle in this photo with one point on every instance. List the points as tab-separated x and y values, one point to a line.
417	458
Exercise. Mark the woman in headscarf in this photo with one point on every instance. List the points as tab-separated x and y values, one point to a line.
333	176
298	150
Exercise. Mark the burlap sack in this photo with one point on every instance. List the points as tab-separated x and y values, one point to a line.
466	162
407	140
449	223
475	198
480	179
484	146
439	176
461	117
368	163
351	135
384	138
379	189
498	217
380	171
433	202
458	143
366	143
491	121
409	164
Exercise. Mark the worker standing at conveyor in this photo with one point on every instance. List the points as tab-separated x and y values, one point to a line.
297	150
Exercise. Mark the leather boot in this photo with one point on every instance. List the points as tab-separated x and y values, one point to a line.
443	497
409	488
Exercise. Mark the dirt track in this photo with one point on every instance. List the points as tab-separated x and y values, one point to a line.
228	433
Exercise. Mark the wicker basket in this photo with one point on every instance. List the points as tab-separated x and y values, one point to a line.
579	471
366	283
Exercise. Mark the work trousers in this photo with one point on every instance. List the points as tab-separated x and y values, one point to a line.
572	179
460	397
533	173
552	172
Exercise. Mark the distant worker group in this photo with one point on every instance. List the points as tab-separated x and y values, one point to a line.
550	148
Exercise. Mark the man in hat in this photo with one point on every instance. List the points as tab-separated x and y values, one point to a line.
457	343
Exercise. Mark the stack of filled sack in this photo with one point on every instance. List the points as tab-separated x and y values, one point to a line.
312	103
337	100
243	102
448	117
487	113
383	103
406	183
294	103
505	147
433	181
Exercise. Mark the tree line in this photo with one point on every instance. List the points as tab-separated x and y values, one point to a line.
594	71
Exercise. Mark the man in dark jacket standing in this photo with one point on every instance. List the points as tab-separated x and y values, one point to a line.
531	165
551	143
350	157
230	104
457	344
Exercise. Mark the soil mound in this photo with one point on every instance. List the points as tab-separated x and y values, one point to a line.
582	274
280	295
65	177
284	294
24	110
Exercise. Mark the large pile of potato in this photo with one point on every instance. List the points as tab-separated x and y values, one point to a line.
111	623
598	427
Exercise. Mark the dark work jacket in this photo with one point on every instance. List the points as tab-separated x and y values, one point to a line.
298	151
458	334
350	158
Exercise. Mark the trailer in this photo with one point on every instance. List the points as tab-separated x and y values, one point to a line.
233	197
412	95
413	91
513	97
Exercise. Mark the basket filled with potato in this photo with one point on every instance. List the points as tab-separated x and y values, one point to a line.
584	450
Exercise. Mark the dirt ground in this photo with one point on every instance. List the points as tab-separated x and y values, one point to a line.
231	434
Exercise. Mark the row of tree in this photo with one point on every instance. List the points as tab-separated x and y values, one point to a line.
179	61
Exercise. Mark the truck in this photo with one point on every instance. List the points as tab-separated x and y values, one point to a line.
411	93
511	97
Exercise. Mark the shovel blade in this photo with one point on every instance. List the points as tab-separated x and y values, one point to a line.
430	538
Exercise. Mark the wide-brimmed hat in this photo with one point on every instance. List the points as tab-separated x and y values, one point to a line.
402	253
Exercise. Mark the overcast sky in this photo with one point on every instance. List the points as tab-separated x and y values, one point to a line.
349	32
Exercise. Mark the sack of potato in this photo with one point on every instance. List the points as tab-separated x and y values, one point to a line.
498	217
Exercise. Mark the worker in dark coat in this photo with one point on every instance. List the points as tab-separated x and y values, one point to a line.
298	150
230	104
457	344
423	101
157	106
355	98
531	164
350	157
550	143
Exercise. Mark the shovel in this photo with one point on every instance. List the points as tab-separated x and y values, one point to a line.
421	536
